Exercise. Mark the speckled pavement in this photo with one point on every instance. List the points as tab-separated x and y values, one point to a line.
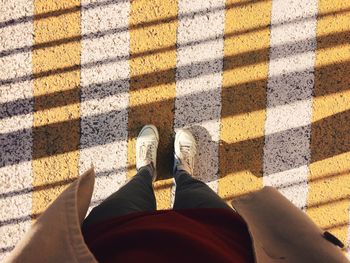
264	86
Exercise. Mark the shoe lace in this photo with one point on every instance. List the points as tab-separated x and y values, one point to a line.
186	154
147	151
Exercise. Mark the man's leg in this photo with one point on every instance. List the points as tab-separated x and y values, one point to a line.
192	193
136	195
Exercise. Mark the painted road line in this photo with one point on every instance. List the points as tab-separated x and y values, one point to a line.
14	172
157	102
49	140
202	113
244	89
104	92
328	198
289	98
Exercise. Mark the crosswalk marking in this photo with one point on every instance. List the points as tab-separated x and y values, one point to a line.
157	102
16	151
199	80
272	104
104	91
328	195
48	139
289	98
244	98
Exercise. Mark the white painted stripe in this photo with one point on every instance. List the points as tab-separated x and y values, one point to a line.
299	65
15	124
197	75
289	98
14	174
105	89
288	116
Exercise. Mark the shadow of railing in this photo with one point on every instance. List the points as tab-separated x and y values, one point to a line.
21	219
157	78
320	154
54	100
339	148
239	60
50	14
47	186
100	34
165	20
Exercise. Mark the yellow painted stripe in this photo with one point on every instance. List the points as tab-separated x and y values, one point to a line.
49	140
328	196
244	91
153	105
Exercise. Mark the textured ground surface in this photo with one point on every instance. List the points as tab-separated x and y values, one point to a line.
264	85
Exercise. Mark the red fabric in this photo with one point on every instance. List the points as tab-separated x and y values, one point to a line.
189	235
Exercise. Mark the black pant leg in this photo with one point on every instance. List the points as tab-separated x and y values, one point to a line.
193	193
136	195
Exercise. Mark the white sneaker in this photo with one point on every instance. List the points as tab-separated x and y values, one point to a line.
185	151
146	147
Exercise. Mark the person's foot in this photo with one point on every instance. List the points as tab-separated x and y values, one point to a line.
146	147
185	151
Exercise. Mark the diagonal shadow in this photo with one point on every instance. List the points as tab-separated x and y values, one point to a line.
207	152
239	60
50	14
328	128
334	146
17	220
297	183
311	180
330	144
100	34
24	106
55	100
42	187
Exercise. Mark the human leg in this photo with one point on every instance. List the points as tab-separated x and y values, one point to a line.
193	193
190	192
137	195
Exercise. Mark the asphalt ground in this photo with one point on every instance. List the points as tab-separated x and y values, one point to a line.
263	85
